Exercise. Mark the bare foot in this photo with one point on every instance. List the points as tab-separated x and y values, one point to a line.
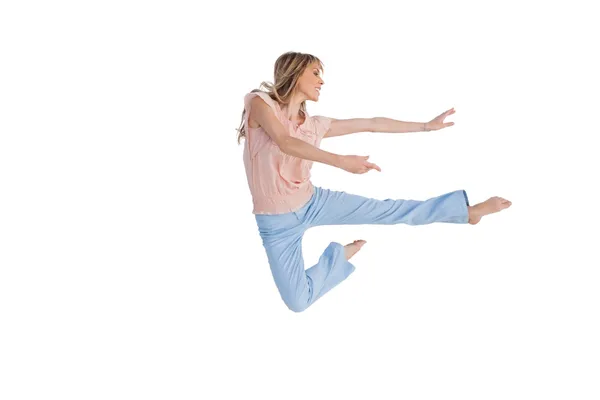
491	205
352	248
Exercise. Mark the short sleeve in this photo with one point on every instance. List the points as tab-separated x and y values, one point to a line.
265	96
322	125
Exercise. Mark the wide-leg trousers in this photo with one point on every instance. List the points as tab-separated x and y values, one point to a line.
282	236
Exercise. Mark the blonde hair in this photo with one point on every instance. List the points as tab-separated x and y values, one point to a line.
288	69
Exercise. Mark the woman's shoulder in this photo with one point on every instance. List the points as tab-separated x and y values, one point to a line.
251	99
266	97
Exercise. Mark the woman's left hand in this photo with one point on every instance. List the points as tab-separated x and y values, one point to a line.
438	122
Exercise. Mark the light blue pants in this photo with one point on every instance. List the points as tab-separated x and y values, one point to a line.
282	236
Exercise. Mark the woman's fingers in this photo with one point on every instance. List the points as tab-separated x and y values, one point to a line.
372	166
364	166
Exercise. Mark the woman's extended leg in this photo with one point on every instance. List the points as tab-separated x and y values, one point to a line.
340	208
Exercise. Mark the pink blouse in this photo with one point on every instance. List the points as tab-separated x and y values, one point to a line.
279	183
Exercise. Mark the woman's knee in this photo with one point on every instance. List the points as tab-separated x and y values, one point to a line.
296	304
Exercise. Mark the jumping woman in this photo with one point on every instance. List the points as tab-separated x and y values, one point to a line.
282	142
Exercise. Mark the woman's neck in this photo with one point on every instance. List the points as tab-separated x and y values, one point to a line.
292	111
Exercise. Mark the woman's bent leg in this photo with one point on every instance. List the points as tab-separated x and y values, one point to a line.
300	288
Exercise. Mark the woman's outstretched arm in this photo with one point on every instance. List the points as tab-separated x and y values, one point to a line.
265	117
341	127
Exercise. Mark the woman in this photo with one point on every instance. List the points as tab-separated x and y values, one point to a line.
282	142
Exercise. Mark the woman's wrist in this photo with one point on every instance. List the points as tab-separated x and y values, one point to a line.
337	160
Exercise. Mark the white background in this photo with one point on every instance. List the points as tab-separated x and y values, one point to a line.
131	265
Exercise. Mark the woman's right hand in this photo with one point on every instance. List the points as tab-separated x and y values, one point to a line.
357	164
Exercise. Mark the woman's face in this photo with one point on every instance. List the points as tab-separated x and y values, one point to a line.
310	82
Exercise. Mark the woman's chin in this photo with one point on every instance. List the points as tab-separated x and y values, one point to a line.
313	98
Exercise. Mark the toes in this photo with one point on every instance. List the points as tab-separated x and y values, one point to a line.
357	243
